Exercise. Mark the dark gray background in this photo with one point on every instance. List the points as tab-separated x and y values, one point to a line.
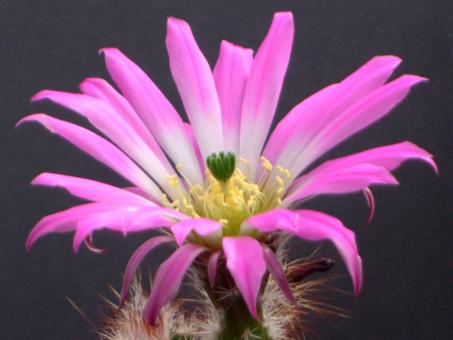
407	249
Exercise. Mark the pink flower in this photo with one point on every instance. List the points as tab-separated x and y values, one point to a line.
218	184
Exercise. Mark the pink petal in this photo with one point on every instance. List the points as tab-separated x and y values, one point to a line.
371	205
91	247
99	148
387	157
314	226
64	221
246	264
90	190
104	117
230	74
156	111
292	132
168	279
275	268
202	226
263	87
191	136
99	88
341	180
212	268
123	219
87	218
136	259
361	114
195	83
308	118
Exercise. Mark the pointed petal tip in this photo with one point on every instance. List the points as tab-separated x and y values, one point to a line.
176	24
391	179
108	51
434	166
176	21
414	78
358	277
225	44
29	243
31	118
274	266
44	178
285	18
41	95
20	122
284	14
89	81
91	247
427	156
393	60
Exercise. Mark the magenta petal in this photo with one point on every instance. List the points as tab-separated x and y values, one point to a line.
245	261
99	148
262	90
168	279
195	83
124	219
91	190
212	268
202	226
388	156
357	171
158	114
341	180
112	123
230	74
295	130
358	116
275	268
371	205
91	247
298	128
63	221
314	226
101	89
135	261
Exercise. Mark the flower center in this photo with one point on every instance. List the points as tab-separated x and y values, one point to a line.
228	196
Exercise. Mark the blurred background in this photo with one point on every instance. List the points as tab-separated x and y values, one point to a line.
407	250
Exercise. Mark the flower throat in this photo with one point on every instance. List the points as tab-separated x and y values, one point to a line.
228	196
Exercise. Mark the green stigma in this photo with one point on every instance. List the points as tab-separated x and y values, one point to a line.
222	165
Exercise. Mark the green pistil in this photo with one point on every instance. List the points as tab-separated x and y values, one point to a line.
222	165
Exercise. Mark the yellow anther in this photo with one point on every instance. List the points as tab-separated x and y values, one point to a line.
233	201
173	180
196	189
284	171
266	163
164	200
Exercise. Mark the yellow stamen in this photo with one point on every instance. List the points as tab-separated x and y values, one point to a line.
266	164
233	201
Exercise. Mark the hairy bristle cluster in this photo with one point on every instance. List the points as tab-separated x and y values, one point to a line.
198	319
175	320
287	321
